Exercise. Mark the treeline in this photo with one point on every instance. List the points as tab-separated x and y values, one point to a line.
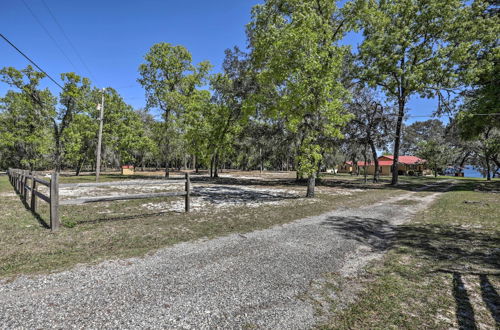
297	99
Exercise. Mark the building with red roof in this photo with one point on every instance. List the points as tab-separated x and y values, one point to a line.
407	165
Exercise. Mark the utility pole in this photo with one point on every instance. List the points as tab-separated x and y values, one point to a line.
99	141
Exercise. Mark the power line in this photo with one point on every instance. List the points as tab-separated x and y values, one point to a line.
29	59
69	41
430	116
50	36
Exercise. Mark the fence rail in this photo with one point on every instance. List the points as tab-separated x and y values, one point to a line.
20	178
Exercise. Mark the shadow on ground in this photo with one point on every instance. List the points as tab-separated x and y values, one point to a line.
213	196
407	183
454	250
217	195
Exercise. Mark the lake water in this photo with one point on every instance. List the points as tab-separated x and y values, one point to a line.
471	172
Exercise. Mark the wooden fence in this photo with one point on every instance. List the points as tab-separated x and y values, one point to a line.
26	185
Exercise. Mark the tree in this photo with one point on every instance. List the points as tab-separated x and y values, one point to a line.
170	80
230	109
79	141
74	98
26	118
295	51
25	136
435	153
369	127
409	48
419	132
198	128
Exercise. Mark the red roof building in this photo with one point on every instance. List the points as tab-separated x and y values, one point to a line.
406	165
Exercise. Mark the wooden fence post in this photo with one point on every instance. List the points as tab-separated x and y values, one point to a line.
21	178
188	193
33	189
25	185
21	192
54	202
18	179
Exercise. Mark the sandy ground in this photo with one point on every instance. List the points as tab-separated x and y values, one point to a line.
238	281
207	196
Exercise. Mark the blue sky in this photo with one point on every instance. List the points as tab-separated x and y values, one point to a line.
112	37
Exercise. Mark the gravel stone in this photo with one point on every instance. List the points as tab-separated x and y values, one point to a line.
246	280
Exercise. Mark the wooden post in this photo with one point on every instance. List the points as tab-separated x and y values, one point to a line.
54	202
18	181
188	193
21	178
33	189
23	181
25	184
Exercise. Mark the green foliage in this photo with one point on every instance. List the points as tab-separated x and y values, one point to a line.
436	154
420	132
171	81
24	127
295	50
170	78
409	45
410	48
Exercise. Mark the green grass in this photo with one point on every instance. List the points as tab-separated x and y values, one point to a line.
88	235
440	271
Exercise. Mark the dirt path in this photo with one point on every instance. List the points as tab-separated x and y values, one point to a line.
237	281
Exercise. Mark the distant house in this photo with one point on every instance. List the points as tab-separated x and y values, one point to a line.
407	165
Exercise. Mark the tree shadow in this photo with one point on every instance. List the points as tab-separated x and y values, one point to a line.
217	195
490	297
412	185
376	233
453	245
214	196
458	251
463	311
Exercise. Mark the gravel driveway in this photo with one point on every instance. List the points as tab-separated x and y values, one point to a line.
237	281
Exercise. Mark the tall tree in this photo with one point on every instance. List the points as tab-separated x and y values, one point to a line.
232	88
409	48
27	116
74	98
295	50
170	79
436	153
419	132
25	136
478	118
369	127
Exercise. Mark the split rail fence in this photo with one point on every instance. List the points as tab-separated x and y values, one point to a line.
26	184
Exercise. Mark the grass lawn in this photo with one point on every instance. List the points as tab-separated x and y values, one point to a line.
95	232
443	270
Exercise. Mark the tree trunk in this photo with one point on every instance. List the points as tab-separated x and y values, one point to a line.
364	165
311	183
57	155
216	165
488	167
318	170
397	140
212	165
80	165
376	170
167	171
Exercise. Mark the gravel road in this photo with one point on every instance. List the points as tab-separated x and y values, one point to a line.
237	281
